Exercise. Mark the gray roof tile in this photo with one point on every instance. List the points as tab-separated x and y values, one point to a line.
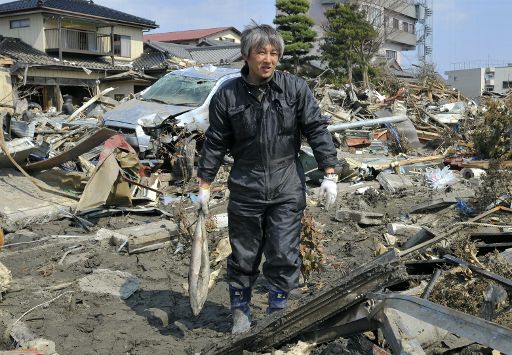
78	6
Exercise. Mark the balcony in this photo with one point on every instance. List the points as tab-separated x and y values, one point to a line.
75	41
406	39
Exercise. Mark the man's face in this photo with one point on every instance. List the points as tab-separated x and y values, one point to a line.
262	62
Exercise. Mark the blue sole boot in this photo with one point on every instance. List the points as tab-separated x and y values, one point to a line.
240	299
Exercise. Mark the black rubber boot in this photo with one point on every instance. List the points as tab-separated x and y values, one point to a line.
240	301
277	299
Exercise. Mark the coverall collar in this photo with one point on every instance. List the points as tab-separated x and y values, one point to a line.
270	81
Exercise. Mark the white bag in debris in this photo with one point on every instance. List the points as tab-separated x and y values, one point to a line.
440	179
5	279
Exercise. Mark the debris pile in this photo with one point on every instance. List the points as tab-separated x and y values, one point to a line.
98	215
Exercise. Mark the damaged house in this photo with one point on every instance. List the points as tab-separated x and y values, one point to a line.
62	47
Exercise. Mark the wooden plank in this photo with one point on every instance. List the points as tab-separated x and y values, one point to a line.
148	234
484	164
86	145
88	103
451	231
498	278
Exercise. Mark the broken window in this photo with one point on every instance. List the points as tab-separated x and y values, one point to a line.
507	85
122	46
489	88
25	22
179	90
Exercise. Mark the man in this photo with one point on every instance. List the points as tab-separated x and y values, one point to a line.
259	118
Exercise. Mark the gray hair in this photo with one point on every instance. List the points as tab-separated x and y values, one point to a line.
257	36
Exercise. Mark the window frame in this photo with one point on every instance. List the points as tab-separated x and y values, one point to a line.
118	46
23	23
394	54
396	24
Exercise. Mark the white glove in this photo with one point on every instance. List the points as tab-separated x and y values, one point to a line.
203	198
329	189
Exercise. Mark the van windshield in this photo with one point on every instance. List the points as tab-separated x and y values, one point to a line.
179	90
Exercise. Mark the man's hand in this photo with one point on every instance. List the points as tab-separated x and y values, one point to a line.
203	198
329	189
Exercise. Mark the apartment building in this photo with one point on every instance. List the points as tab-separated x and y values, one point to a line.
473	82
395	20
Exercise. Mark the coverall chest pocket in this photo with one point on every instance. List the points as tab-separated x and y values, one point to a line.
243	122
286	113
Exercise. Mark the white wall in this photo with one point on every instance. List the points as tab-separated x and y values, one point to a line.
33	35
135	34
470	82
502	74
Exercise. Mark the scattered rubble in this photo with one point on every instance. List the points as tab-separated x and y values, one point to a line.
416	258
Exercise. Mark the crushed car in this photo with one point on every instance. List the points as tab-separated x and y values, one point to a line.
169	112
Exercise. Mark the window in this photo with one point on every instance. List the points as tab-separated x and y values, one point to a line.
122	46
489	76
386	21
507	85
396	24
118	97
405	26
489	88
19	23
390	54
411	28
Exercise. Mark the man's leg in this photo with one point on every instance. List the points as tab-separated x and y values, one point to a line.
246	239
282	257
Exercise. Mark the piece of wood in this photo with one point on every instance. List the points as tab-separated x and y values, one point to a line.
88	103
484	164
451	231
433	281
149	234
398	163
491	275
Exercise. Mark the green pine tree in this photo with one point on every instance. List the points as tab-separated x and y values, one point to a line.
296	28
349	40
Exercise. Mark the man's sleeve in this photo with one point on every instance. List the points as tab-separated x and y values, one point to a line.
314	128
218	140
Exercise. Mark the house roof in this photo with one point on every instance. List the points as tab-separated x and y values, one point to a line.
22	53
84	7
220	54
189	35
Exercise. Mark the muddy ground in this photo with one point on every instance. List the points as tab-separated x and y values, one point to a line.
157	319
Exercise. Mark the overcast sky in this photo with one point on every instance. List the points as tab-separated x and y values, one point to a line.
466	32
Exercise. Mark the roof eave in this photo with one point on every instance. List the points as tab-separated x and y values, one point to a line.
59	11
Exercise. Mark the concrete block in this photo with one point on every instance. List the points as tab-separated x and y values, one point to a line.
394	183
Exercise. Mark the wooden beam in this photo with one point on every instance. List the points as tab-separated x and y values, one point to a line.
88	103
